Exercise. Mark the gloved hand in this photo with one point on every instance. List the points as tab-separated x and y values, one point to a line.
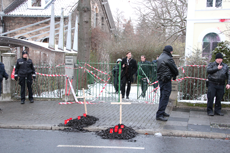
174	77
34	76
16	78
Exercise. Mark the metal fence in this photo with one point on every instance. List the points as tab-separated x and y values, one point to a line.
99	80
49	83
192	85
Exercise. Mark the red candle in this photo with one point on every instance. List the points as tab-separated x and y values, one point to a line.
122	126
65	122
84	114
119	131
70	119
116	127
111	130
115	130
79	117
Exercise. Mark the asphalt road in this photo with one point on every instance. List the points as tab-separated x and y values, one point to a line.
39	141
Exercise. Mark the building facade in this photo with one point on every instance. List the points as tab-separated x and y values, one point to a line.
207	25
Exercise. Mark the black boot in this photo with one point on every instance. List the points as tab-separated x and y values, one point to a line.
31	101
23	102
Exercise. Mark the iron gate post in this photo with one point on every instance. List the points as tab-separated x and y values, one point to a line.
8	85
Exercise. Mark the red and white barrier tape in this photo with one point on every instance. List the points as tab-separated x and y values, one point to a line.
97	69
50	75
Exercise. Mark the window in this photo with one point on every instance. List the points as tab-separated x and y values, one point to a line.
38	4
214	3
210	42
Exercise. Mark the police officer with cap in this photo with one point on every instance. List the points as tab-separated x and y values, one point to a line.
25	71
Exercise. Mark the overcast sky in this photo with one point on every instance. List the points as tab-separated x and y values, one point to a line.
127	6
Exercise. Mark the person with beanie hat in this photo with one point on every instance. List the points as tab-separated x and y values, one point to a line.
218	73
25	71
166	70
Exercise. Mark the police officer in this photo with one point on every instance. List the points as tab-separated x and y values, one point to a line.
116	74
218	72
25	71
166	70
3	74
129	68
144	72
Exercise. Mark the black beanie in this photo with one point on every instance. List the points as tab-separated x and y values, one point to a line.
24	52
219	55
168	48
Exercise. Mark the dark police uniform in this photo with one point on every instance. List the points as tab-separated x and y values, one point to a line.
144	71
216	85
25	71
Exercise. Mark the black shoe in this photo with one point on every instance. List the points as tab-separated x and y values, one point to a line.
220	114
123	97
210	114
127	97
161	119
0	109
166	115
32	101
23	102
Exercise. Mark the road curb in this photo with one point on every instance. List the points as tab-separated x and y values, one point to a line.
175	133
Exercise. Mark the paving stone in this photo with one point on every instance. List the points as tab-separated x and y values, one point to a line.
199	121
218	130
178	119
173	127
201	128
179	114
176	123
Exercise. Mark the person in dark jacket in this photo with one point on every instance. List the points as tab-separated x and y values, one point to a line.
3	74
144	71
116	74
218	72
129	68
25	71
166	70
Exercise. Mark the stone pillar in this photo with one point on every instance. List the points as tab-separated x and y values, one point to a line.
174	93
8	85
3	49
70	64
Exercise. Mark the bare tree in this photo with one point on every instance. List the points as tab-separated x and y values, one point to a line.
165	16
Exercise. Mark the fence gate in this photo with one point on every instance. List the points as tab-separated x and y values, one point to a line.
102	81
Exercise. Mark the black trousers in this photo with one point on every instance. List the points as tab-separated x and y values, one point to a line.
124	81
144	86
0	86
165	91
22	81
217	91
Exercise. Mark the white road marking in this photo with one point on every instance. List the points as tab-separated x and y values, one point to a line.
103	147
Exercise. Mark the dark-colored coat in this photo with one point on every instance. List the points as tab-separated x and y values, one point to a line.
24	67
115	70
146	69
3	73
132	68
166	67
216	75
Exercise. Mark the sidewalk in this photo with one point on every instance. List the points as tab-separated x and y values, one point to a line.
47	115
